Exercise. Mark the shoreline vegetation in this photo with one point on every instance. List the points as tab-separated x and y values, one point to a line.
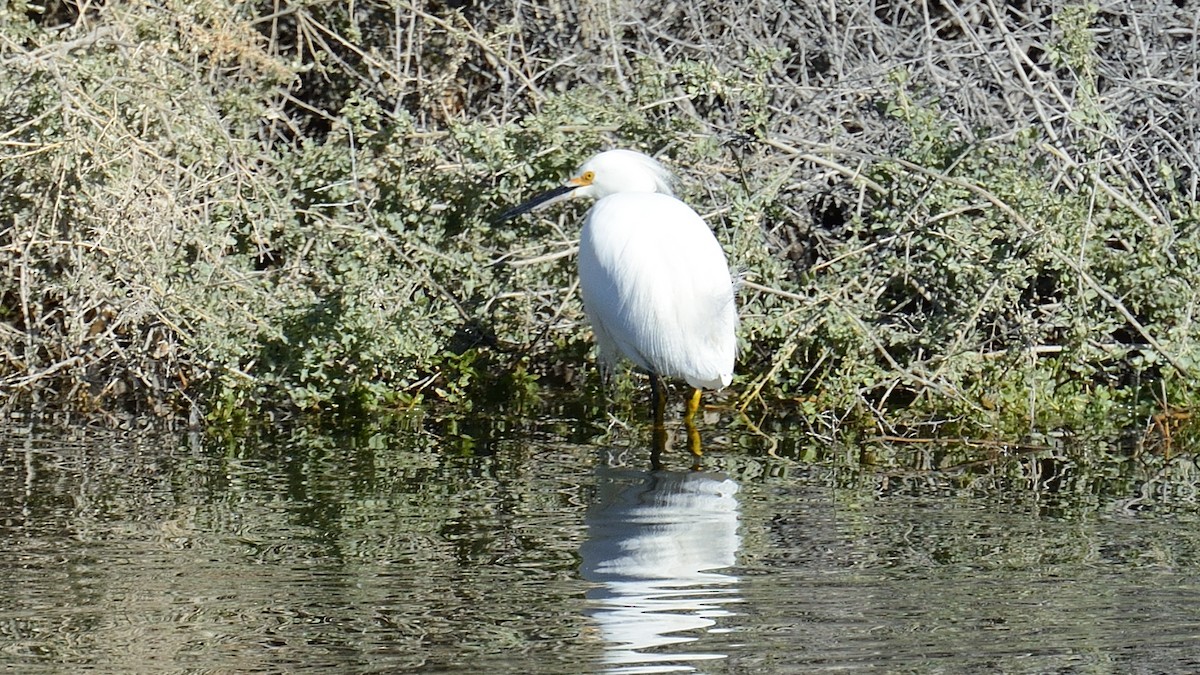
952	219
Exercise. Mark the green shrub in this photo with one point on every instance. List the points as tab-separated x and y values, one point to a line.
226	210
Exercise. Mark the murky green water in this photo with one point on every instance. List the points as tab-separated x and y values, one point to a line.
401	552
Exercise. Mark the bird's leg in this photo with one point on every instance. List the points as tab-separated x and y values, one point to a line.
693	440
693	404
658	405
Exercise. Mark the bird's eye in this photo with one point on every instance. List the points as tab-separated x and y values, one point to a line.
587	177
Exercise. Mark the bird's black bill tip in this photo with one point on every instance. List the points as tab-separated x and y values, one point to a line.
532	204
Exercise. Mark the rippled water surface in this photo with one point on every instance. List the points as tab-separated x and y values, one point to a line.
406	552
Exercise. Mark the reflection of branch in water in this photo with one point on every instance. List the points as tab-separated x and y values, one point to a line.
654	541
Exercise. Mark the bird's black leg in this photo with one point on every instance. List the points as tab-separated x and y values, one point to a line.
658	406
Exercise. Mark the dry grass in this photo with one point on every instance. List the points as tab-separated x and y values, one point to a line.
957	207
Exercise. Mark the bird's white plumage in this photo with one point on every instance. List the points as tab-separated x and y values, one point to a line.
617	171
656	286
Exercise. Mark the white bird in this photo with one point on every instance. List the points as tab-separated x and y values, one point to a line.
656	285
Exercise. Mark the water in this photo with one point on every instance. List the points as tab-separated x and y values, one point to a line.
417	551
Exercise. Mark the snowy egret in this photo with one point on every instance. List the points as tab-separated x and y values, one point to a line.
656	286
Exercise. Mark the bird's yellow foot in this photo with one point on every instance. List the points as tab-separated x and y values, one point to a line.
689	421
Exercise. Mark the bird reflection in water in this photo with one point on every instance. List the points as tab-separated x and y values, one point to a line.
655	541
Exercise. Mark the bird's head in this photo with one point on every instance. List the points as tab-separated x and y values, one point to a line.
604	174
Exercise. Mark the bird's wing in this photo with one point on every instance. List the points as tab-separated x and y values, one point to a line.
655	279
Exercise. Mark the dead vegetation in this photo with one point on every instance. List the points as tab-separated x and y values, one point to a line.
975	214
